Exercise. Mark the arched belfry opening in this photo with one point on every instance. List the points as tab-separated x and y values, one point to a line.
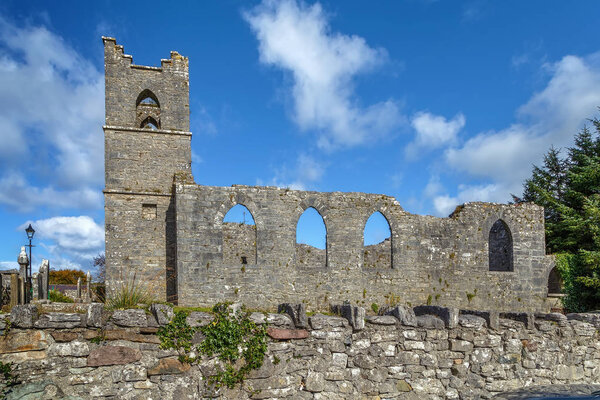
149	123
311	240
239	237
147	110
377	242
147	97
500	247
554	282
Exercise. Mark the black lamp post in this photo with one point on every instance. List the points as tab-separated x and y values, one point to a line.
30	232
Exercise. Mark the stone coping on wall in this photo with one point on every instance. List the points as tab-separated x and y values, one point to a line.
426	352
143	130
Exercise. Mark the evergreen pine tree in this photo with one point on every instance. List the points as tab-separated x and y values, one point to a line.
569	190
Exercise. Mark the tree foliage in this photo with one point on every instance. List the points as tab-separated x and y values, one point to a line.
66	276
568	187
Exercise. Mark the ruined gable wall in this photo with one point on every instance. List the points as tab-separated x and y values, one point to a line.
435	260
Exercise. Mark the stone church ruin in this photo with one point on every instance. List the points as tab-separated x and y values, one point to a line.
167	232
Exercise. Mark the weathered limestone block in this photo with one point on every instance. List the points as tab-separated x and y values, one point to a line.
527	318
24	341
94	315
491	317
320	321
168	366
64	336
460	345
481	355
279	320
297	313
130	318
130	336
43	390
430	322
162	312
471	322
73	349
134	373
286	334
60	320
381	320
315	382
197	319
113	355
592	318
24	315
405	315
583	328
556	317
448	315
355	315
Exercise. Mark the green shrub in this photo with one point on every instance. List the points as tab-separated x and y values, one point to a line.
56	296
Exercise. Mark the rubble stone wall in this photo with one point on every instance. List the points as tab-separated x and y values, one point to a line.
441	261
425	353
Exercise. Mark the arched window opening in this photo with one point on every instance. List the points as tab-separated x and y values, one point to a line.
377	242
147	110
311	240
146	97
554	282
500	247
149	123
239	237
149	101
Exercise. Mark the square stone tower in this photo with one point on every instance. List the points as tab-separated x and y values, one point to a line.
147	142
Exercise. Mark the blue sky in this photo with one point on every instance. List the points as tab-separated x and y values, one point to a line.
433	102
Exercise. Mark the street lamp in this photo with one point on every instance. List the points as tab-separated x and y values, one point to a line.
30	232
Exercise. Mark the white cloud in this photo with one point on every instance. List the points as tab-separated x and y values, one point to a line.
16	193
550	117
433	131
297	38
51	111
71	241
305	173
445	204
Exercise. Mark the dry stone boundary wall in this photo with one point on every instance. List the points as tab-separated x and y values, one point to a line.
421	353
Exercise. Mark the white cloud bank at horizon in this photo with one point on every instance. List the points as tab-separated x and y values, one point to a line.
51	111
74	241
551	117
297	38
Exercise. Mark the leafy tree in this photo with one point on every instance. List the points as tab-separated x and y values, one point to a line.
66	276
569	190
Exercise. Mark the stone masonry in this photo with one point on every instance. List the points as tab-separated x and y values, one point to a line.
166	231
420	353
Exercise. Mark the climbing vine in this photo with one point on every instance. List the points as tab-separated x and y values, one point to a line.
7	378
232	337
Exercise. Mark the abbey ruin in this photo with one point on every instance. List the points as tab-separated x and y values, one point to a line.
167	231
